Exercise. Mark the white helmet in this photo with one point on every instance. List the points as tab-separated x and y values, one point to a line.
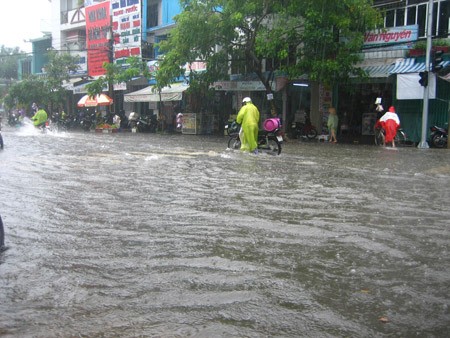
246	99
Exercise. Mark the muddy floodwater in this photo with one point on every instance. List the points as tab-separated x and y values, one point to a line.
149	235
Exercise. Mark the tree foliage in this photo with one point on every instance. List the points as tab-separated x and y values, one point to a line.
58	71
9	58
116	73
320	38
331	37
22	94
46	90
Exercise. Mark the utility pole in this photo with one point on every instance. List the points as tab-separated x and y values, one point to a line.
423	142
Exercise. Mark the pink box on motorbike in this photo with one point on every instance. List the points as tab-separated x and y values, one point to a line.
272	124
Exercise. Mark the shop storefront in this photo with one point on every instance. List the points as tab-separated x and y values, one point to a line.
356	105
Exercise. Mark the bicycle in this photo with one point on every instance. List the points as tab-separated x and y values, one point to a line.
400	138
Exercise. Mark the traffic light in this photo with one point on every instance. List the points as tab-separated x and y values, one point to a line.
423	79
437	59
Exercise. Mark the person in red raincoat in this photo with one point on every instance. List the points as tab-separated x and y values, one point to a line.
390	123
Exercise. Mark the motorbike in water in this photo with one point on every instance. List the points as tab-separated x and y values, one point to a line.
44	128
438	136
269	140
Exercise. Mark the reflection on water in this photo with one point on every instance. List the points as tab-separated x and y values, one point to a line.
174	235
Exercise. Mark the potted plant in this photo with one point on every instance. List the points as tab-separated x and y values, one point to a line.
437	44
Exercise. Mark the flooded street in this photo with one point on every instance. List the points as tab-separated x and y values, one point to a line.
148	235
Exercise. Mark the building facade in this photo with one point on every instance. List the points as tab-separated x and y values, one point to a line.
98	31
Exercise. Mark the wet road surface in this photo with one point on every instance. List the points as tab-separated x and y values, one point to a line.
146	235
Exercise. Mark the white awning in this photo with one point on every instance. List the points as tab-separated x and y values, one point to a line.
411	66
150	94
379	71
69	85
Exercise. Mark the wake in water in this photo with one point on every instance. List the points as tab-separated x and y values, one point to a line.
29	129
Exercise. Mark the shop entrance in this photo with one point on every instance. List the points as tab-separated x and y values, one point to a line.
356	108
298	104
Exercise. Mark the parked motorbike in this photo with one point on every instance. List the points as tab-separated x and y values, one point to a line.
57	123
438	137
232	128
132	121
15	119
304	130
145	124
269	140
87	121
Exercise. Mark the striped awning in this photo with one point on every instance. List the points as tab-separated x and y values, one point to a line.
379	71
411	66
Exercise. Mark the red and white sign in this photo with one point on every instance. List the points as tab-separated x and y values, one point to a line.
98	28
127	22
393	35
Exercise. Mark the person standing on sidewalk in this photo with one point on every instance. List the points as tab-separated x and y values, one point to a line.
332	124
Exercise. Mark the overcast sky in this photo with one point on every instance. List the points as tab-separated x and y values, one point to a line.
23	20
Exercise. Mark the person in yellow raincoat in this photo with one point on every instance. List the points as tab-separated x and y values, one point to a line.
40	117
248	118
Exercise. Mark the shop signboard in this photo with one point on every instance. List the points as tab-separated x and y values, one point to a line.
189	124
398	36
242	85
98	27
126	23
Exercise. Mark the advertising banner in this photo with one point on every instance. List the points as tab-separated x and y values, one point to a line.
393	35
98	28
409	88
126	21
189	124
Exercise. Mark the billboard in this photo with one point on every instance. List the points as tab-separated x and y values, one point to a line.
391	36
98	30
126	22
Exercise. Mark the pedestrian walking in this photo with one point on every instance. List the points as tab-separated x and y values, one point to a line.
248	118
390	122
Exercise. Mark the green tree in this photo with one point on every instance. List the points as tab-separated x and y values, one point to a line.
330	37
22	94
47	91
319	38
58	71
9	58
116	73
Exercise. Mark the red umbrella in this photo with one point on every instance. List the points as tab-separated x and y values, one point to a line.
94	101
